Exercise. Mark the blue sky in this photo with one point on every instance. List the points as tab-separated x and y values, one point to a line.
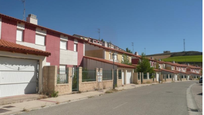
154	25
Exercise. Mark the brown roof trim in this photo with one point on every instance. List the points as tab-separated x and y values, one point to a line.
171	71
27	23
16	48
109	62
110	49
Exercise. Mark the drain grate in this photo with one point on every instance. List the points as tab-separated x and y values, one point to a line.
3	110
8	106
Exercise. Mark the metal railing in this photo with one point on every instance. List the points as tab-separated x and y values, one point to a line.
88	75
107	74
62	76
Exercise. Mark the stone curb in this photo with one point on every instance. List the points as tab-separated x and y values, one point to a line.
191	104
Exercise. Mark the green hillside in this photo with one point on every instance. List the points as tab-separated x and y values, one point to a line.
193	58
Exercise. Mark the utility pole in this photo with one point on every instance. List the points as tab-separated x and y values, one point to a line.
132	47
99	33
23	1
184	44
114	79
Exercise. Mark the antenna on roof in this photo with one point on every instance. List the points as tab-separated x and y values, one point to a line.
99	32
23	1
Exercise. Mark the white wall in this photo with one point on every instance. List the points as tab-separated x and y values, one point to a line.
175	77
68	57
40	47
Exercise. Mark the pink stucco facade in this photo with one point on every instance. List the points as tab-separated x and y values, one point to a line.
52	39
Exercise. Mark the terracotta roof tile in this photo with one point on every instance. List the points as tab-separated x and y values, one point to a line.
13	47
110	62
111	49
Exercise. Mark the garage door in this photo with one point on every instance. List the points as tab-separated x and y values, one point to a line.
128	77
17	76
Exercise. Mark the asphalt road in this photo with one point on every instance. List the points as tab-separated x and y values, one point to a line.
160	99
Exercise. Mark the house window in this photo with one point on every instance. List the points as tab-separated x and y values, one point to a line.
63	45
115	57
39	39
75	47
19	35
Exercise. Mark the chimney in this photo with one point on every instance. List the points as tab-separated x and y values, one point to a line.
32	19
136	53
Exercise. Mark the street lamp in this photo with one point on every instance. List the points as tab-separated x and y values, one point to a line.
113	56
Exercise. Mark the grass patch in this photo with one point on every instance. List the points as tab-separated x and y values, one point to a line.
194	58
111	91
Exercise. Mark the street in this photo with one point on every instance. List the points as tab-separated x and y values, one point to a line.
160	99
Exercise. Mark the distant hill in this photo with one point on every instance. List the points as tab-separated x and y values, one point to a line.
190	57
180	59
172	54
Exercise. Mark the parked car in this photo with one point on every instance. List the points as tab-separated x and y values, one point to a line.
201	80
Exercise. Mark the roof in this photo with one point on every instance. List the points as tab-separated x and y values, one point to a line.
13	47
166	70
171	71
176	64
27	23
189	72
110	62
114	50
193	67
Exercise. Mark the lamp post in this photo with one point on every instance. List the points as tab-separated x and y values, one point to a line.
113	56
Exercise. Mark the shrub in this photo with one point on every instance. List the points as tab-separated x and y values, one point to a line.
54	94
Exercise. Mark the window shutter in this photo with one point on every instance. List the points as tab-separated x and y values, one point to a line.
39	39
19	36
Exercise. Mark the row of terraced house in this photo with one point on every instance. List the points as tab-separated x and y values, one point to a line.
36	59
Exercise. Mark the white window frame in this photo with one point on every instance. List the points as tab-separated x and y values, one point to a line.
75	47
62	45
19	34
37	41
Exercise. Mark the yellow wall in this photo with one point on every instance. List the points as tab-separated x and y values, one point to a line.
95	53
119	56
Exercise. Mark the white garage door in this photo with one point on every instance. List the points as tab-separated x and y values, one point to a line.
17	76
128	77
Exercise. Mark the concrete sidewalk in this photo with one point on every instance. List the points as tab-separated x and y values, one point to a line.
25	106
196	91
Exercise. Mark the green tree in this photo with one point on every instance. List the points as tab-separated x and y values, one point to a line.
127	50
144	65
125	60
